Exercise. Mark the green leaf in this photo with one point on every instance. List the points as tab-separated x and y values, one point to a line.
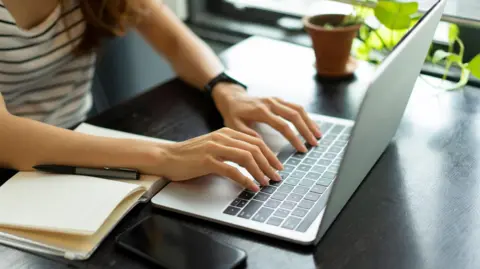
364	32
440	55
453	32
463	80
361	50
395	15
474	66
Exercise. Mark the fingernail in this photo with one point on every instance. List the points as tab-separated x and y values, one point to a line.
278	177
314	142
279	166
303	148
255	188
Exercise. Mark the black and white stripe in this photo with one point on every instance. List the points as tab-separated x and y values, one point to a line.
39	76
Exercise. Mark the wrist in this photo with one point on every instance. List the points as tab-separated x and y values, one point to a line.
225	91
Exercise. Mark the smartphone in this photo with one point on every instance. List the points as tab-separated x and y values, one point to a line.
175	246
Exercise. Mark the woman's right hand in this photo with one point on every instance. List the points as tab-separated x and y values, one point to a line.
207	155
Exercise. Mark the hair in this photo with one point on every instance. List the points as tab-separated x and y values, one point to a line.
106	18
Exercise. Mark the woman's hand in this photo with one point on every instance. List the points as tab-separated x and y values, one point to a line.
207	155
239	111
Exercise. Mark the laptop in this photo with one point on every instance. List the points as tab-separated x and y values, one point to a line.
318	184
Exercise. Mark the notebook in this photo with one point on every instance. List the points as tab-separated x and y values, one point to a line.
69	215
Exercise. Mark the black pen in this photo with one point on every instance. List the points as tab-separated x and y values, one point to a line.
104	172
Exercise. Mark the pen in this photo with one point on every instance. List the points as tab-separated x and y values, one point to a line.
104	172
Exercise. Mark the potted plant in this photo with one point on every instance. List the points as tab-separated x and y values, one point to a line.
332	35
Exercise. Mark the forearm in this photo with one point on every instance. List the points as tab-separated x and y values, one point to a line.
192	59
25	143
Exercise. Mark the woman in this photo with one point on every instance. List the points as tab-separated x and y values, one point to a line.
47	53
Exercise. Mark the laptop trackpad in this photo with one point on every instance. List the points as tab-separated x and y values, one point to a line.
204	193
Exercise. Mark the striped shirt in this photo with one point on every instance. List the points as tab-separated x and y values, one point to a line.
40	78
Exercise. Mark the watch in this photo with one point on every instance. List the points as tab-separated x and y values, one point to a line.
222	77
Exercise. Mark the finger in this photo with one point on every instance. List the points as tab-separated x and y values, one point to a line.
267	152
241	157
242	127
231	172
311	124
280	125
257	155
294	117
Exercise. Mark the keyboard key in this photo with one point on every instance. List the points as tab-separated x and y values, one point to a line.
293	161
340	144
298	174
275	221
324	181
300	190
250	209
334	149
285	188
292	181
272	203
261	196
318	189
231	210
329	175
330	138
282	213
299	212
306	204
299	155
246	195
324	162
263	214
288	205
309	161
329	156
304	167
344	138
279	196
323	147
312	196
268	189
295	197
318	169
315	155
324	126
242	203
291	223
348	130
288	168
313	176
337	162
235	202
336	129
311	216
333	168
283	175
307	183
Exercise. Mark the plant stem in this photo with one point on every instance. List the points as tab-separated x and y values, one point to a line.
381	39
462	48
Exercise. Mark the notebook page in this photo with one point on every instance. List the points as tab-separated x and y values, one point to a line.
60	203
81	245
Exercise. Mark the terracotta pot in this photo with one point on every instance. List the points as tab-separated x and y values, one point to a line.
332	46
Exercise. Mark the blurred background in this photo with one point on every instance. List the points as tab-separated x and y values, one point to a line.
223	23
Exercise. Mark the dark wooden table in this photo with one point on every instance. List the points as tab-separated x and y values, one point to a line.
418	208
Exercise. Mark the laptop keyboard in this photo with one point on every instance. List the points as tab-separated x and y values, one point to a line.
295	202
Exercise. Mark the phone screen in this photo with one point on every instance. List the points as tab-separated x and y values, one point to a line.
176	246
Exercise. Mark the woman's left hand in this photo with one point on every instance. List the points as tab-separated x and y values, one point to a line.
240	111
